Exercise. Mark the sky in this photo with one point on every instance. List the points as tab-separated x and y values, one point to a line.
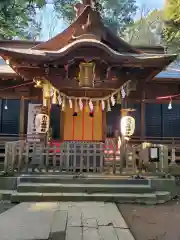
52	27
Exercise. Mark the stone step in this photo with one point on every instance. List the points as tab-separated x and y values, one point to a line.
86	188
81	179
6	194
147	198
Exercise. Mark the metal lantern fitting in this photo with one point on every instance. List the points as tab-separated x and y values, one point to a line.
42	123
127	126
86	74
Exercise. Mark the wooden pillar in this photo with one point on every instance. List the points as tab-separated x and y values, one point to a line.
21	117
142	123
123	141
61	125
104	126
143	106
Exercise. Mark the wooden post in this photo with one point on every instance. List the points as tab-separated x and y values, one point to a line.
143	106
48	113
123	141
21	117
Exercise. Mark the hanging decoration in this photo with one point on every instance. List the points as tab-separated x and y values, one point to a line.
6	106
108	106
52	92
127	126
91	106
70	103
46	90
88	103
86	74
102	105
54	97
170	105
80	104
123	93
38	83
113	102
63	104
170	97
59	100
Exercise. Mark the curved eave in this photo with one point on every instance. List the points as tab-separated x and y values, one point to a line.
31	55
64	38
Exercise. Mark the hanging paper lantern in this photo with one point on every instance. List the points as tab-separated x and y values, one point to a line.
103	105
42	123
80	104
70	103
91	105
113	100
127	126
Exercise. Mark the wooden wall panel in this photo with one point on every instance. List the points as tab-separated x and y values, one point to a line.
68	124
10	117
78	127
171	120
87	127
98	126
153	119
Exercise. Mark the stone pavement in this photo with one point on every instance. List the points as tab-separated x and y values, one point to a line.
64	221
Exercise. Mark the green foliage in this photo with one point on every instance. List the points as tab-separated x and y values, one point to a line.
17	17
117	14
147	30
172	27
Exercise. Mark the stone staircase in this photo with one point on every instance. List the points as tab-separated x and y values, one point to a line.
48	188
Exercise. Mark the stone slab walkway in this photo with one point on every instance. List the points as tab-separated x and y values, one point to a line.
64	221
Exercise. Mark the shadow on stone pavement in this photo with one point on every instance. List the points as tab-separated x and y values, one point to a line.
159	222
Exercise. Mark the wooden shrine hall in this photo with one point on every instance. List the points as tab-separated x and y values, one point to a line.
85	76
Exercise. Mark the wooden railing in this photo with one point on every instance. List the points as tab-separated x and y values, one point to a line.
21	156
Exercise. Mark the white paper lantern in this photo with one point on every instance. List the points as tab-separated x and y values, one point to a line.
127	126
42	123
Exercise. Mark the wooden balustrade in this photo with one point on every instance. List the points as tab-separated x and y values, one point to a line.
23	157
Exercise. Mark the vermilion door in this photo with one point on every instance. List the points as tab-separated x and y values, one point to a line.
83	127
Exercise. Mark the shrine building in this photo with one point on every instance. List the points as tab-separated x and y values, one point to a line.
84	76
